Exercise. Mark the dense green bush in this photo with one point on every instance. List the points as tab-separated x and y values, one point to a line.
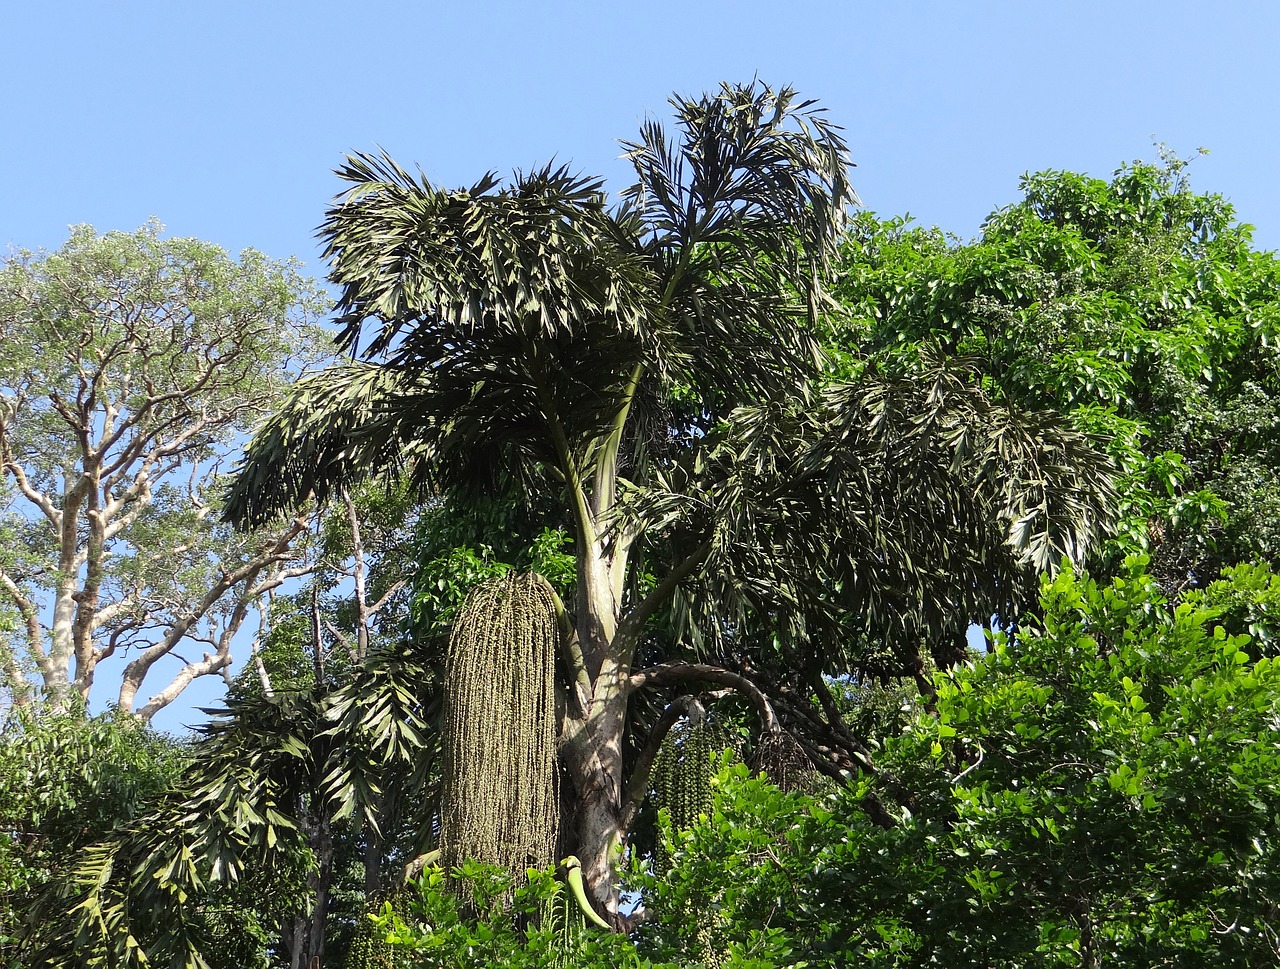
1103	789
480	918
66	781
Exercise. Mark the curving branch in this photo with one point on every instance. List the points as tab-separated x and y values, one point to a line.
633	623
274	551
668	673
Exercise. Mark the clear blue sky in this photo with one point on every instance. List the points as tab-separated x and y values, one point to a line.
225	119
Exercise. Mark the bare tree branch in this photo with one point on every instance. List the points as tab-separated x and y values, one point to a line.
33	495
30	615
274	551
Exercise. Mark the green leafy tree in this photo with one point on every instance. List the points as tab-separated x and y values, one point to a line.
127	891
64	779
1135	305
129	366
1100	790
657	369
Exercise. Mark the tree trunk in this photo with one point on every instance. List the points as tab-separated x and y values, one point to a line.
600	840
305	938
600	661
592	753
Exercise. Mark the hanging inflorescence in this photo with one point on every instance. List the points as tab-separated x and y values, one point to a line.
500	795
681	778
681	783
682	774
369	947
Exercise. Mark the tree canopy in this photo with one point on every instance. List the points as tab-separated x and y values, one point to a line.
1134	305
1100	790
129	364
763	494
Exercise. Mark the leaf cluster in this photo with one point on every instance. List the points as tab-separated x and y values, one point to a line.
1101	789
1134	305
231	834
517	327
899	506
64	780
488	918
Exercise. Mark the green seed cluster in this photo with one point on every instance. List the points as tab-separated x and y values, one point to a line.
369	950
500	796
361	954
682	775
681	779
705	941
681	783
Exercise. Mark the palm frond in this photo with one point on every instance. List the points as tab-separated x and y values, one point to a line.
907	505
335	427
431	268
740	214
1051	485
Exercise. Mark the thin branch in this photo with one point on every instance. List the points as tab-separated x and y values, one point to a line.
318	658
33	495
208	663
972	767
632	625
834	719
273	551
343	640
359	574
381	603
30	615
112	610
279	578
256	652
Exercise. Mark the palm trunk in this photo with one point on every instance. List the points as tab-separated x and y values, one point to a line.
305	938
592	730
600	838
593	739
593	759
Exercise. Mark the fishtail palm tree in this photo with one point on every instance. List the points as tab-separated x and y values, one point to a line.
659	366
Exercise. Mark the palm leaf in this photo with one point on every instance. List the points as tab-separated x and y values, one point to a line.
907	506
